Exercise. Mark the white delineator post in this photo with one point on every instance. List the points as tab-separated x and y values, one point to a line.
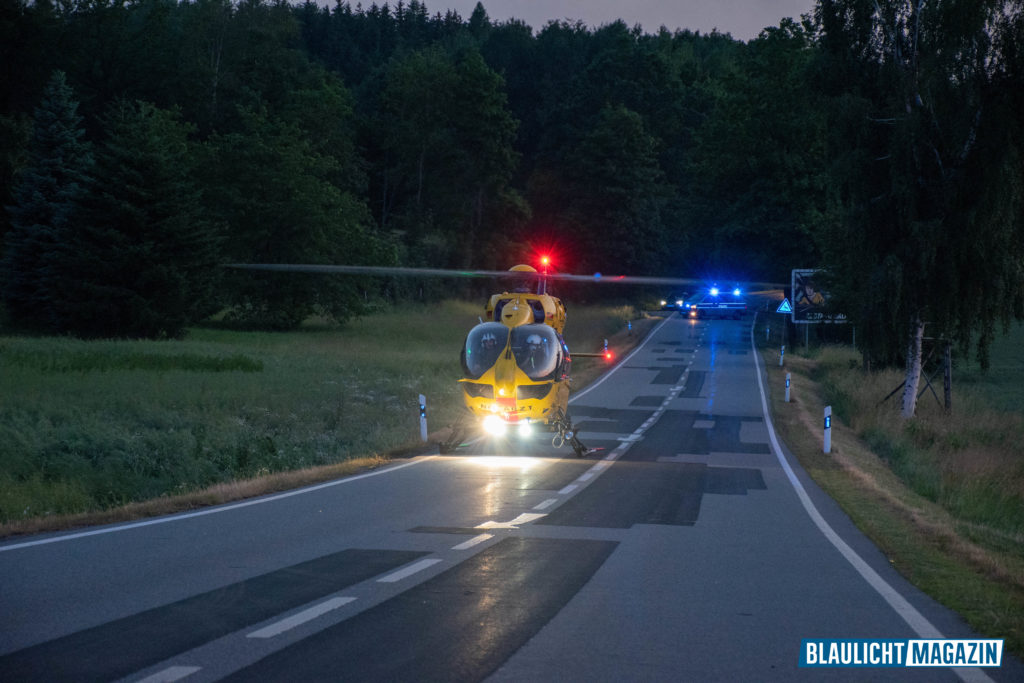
828	429
787	387
423	417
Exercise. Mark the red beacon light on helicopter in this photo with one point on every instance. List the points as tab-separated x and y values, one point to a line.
545	263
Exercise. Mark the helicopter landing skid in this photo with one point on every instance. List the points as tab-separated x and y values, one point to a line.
566	432
455	437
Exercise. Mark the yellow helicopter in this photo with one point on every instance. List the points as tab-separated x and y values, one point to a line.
515	363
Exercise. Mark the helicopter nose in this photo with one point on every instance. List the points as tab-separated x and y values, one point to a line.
516	315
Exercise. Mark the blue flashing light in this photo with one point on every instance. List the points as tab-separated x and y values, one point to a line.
714	291
597	276
736	292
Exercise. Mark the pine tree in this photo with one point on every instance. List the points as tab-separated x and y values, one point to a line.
47	199
610	185
143	260
275	194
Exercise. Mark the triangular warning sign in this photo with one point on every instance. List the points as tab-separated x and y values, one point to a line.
784	307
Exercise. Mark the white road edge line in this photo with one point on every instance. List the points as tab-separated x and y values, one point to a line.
170	674
650	336
408	571
301	618
476	540
917	621
213	511
546	504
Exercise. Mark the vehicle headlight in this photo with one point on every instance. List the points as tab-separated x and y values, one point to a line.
525	429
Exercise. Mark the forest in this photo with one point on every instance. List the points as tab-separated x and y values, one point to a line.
145	143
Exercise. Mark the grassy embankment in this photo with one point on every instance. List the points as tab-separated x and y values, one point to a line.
101	431
942	495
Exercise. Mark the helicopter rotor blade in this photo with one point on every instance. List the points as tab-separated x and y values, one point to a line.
371	270
443	272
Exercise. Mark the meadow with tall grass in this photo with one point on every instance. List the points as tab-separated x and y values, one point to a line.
969	460
93	425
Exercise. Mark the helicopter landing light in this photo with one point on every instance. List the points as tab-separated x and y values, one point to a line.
494	425
525	430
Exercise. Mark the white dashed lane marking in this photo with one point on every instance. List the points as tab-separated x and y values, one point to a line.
476	540
306	615
170	674
408	571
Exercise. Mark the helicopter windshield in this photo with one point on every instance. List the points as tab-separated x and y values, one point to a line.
536	350
484	344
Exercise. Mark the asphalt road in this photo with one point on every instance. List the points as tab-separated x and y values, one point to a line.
690	547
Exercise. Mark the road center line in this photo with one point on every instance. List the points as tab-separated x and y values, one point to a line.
476	540
301	618
408	571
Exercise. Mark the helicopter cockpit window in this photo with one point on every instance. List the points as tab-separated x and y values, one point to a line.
536	348
484	344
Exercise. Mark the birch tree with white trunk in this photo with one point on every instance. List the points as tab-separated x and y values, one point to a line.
927	206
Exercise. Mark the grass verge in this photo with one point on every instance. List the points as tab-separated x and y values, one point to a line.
940	495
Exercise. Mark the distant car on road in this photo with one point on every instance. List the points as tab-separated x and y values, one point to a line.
673	302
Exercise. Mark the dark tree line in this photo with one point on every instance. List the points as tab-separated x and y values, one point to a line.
877	139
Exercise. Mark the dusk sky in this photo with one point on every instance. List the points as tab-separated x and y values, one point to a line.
743	19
